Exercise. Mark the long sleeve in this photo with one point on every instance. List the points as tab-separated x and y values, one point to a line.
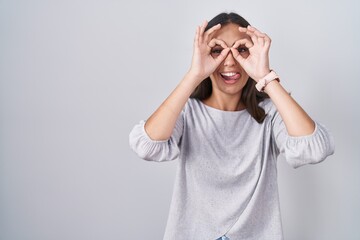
228	154
299	151
152	150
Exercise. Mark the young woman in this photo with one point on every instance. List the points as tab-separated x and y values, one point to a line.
225	123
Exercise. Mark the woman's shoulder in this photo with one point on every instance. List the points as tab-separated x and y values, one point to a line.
191	101
192	104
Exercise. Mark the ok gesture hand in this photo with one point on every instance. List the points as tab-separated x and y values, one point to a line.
257	63
203	64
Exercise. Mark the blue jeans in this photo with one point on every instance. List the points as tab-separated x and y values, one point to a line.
223	238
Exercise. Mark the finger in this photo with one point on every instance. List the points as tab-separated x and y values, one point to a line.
211	31
256	39
203	26
243	42
260	40
237	55
222	55
215	42
257	32
202	30
253	37
259	35
243	29
196	39
250	34
267	42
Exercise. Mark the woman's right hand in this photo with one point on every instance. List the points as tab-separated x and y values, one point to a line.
203	63
161	123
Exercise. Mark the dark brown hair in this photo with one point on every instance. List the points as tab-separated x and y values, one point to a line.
250	96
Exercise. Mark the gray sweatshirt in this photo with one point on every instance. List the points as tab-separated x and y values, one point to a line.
226	180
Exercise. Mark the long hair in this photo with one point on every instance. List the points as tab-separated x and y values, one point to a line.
250	96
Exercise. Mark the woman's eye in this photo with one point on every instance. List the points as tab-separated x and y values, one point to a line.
216	51
242	49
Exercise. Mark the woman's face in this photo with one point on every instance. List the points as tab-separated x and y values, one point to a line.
229	78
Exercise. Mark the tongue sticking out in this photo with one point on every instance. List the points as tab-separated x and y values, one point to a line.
230	79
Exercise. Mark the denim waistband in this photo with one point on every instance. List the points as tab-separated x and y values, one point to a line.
223	238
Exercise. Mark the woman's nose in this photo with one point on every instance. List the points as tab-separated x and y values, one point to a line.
229	60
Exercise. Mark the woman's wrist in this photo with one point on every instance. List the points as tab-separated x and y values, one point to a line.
194	77
190	81
264	81
262	74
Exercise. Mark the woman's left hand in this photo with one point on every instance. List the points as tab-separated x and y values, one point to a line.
256	64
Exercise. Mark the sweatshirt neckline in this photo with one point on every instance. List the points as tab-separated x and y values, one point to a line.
216	110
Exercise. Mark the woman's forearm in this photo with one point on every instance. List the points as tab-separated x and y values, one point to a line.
297	121
162	122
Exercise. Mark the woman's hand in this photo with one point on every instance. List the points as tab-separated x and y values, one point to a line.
161	123
256	64
203	64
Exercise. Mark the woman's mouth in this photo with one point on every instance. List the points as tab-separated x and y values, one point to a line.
230	77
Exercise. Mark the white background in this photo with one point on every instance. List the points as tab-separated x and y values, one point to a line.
76	76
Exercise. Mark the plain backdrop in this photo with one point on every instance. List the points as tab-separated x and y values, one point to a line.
76	76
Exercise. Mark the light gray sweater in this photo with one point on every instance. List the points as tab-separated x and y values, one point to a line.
226	180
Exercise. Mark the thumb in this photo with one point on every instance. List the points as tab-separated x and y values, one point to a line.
237	56
222	55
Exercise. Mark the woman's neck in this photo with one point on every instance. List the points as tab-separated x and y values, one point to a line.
225	102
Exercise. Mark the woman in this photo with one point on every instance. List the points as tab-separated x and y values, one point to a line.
226	122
